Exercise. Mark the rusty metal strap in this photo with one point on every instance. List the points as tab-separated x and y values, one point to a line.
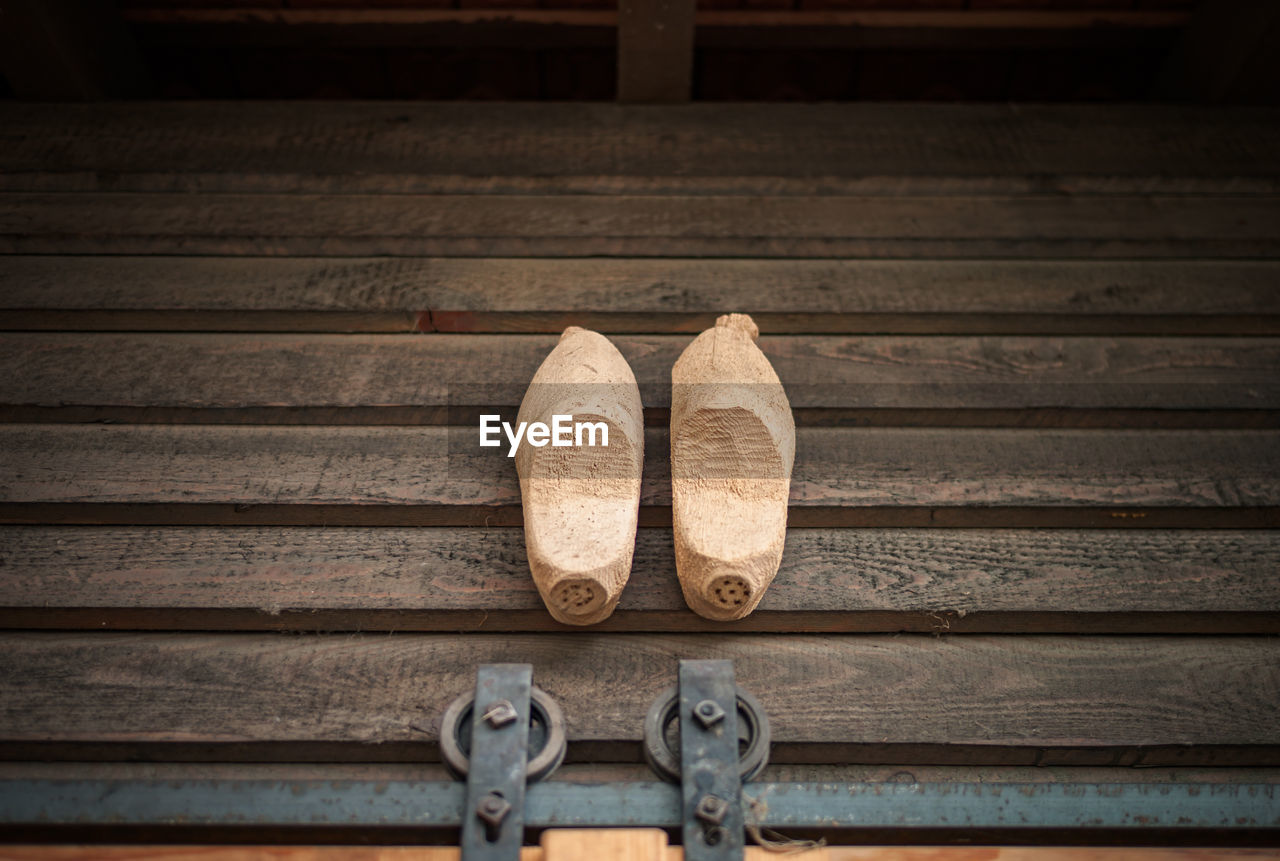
493	817
710	786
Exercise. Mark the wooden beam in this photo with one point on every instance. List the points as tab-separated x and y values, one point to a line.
796	28
69	50
878	19
655	50
1229	52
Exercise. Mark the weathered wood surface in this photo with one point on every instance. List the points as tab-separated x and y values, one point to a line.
1231	297
476	579
581	507
727	149
733	443
383	378
837	472
642	225
1002	700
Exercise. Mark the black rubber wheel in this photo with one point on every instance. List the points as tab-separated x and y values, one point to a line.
547	739
662	736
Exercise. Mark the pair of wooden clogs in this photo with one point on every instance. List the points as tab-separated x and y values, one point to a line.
732	447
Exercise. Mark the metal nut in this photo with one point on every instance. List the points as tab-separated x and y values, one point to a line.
708	713
500	714
711	809
492	809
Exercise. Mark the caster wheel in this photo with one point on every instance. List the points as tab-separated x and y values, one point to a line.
546	735
662	736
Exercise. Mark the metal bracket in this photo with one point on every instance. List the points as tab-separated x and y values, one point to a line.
710	786
493	818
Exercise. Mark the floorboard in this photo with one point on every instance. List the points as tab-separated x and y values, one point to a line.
1015	297
753	149
476	579
905	698
1208	226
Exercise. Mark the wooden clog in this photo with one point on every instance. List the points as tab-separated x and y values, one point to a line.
733	443
581	502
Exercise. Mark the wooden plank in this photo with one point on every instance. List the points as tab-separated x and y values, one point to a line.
440	476
477	579
751	149
849	29
641	295
453	378
621	844
655	51
69	50
849	698
653	225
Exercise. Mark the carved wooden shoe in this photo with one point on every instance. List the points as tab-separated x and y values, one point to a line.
733	442
581	502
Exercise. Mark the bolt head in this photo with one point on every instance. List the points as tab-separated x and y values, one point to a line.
711	809
492	809
500	713
708	713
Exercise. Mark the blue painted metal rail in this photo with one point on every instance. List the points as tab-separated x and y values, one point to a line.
552	804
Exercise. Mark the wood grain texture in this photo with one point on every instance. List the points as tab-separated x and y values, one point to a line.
726	149
733	443
678	294
476	579
430	468
641	225
619	844
850	698
581	506
377	378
